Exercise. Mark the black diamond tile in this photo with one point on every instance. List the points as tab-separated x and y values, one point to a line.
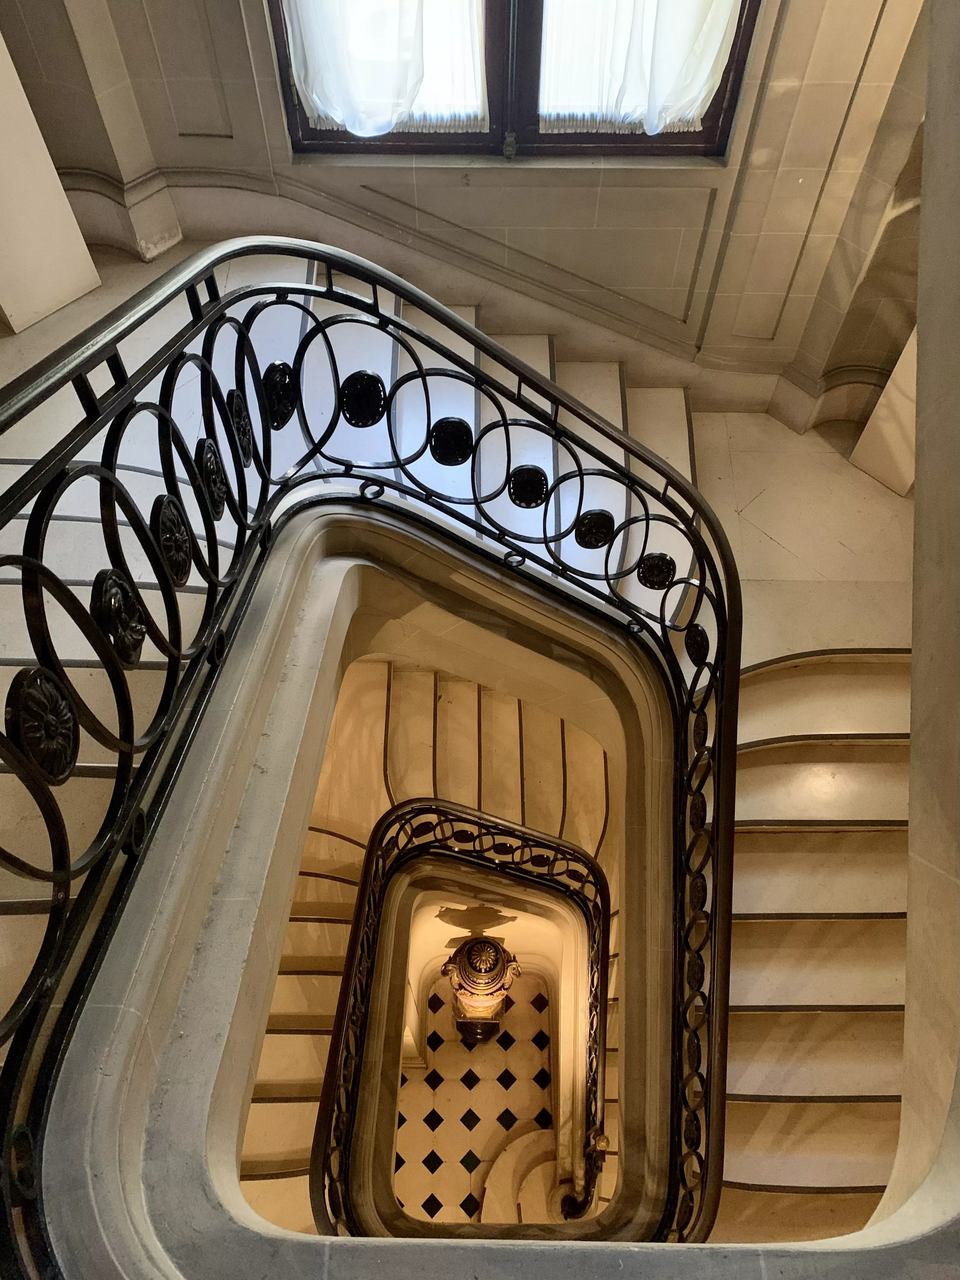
508	1003
506	1119
433	1120
539	1002
506	1078
403	1079
398	1163
470	1119
431	1206
434	1041
401	1119
432	1162
433	1079
470	1078
470	1204
469	1045
542	1078
435	1003
505	1040
470	1160
543	1118
541	1039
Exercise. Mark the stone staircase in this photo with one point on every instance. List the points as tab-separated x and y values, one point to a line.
817	973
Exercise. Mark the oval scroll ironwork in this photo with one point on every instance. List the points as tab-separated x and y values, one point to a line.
185	471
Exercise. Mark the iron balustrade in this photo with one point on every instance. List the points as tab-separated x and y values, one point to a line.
239	408
411	831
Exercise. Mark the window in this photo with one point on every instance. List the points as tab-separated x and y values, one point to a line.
527	77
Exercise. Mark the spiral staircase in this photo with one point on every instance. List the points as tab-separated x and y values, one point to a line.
816	967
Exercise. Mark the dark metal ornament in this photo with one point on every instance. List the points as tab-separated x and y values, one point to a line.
451	442
114	608
363	398
168	524
701	730
691	1131
657	571
694	1051
684	1211
208	462
698	811
527	487
698	892
280	389
242	426
41	720
697	644
695	970
594	529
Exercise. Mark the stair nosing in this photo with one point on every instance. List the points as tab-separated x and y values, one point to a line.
811	656
764	917
805	1190
821	739
813	1098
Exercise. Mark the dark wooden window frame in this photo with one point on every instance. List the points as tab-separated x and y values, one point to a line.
513	30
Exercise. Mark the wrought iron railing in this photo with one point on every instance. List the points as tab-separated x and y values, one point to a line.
415	830
183	430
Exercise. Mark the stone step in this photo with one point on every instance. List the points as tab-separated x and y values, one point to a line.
836	692
831	780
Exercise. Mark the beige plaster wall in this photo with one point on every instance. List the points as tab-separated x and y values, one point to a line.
44	262
930	1126
717	261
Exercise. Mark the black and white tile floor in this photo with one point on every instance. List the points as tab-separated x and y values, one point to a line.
457	1113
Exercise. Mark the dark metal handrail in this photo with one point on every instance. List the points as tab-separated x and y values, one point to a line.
413	830
614	527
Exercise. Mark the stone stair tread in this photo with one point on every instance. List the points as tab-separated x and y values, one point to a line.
321	912
820	871
810	1144
759	1216
818	963
320	1024
270	1091
860	694
657	418
302	965
813	1052
833	782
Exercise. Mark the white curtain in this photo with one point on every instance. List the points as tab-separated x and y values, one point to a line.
611	66
372	66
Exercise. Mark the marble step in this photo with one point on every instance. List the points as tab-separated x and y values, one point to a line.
830	780
311	966
292	1056
351	791
537	1200
599	385
300	1024
657	418
410	761
758	1216
810	1144
69	642
333	891
536	350
795	872
303	911
284	1202
815	1053
279	1131
836	692
287	1090
817	963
